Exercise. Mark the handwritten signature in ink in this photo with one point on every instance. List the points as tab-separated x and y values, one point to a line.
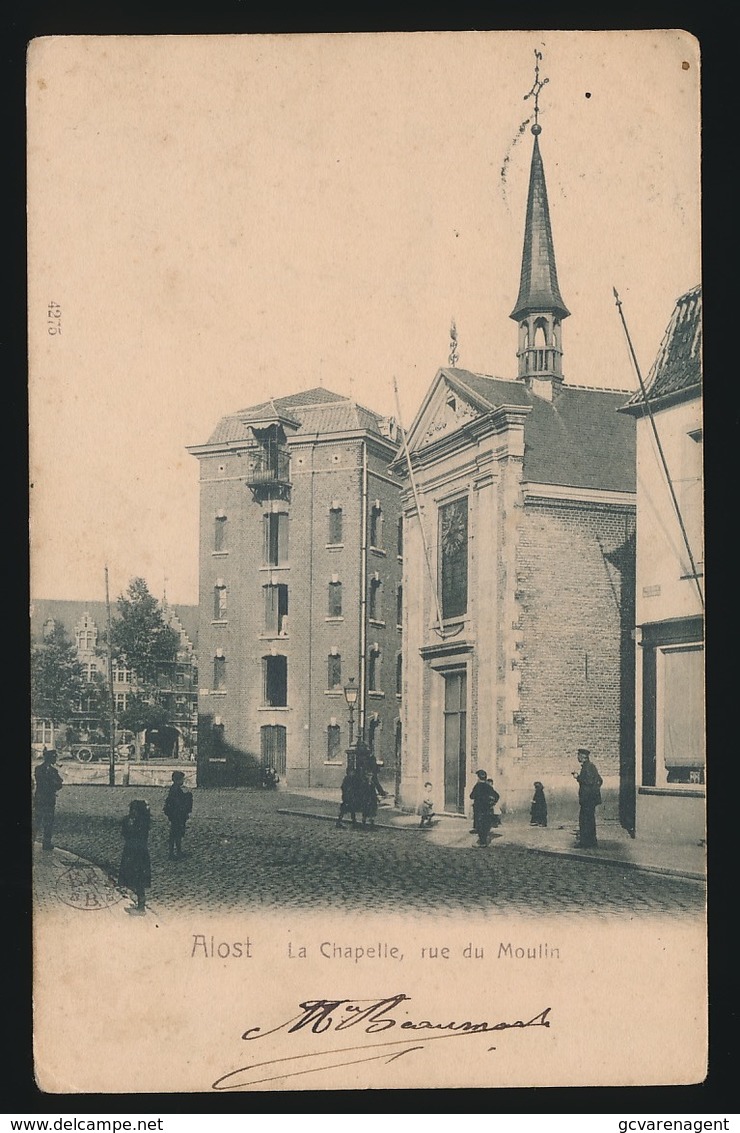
372	1017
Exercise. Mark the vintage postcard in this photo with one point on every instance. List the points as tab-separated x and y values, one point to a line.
367	561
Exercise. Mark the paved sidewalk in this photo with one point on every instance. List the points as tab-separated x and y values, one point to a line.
64	880
615	845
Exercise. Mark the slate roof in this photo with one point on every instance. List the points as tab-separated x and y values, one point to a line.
677	368
538	286
578	440
313	411
69	613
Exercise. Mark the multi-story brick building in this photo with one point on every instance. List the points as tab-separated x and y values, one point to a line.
177	681
300	589
517	648
670	747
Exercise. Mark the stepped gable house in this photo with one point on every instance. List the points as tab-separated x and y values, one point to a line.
520	651
300	589
177	682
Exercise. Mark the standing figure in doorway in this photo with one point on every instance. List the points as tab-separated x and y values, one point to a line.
589	797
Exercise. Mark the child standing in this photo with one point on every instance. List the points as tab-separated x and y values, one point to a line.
178	807
426	809
135	869
538	810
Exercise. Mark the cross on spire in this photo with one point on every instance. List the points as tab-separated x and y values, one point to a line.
537	86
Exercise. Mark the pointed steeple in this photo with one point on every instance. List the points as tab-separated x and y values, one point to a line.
538	288
539	308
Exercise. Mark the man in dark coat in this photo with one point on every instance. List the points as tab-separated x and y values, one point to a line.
48	784
589	797
178	807
484	797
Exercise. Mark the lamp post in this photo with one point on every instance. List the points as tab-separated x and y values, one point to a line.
351	692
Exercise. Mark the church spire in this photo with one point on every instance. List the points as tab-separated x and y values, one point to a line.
539	308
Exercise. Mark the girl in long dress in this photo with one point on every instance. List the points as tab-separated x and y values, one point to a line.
135	871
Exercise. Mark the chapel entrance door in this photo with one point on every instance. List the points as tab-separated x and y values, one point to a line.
455	729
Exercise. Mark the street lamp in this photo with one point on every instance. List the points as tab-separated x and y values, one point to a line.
351	692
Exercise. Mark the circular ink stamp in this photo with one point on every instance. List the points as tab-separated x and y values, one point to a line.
85	887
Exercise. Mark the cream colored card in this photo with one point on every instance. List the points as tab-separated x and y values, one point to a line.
217	220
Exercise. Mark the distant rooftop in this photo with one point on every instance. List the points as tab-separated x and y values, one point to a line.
68	613
308	412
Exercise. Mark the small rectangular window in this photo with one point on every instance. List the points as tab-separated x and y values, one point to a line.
276	538
373	670
334	744
219	533
335	525
376	526
276	609
275	681
335	599
334	679
375	610
219	603
219	672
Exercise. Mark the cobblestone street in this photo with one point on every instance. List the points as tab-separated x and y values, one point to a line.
242	854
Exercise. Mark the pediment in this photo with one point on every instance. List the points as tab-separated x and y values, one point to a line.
447	412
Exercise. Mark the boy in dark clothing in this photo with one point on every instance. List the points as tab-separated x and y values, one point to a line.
178	807
538	809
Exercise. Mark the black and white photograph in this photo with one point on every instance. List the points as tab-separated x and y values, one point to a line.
367	561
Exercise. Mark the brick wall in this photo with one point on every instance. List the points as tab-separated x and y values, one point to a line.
575	597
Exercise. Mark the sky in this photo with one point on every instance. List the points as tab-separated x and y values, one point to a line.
225	218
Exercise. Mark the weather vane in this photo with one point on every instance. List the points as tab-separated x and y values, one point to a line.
537	86
453	344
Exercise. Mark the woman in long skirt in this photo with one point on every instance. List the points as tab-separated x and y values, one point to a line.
135	871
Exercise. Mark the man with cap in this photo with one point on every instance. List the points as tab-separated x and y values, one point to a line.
178	807
48	784
484	796
589	797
